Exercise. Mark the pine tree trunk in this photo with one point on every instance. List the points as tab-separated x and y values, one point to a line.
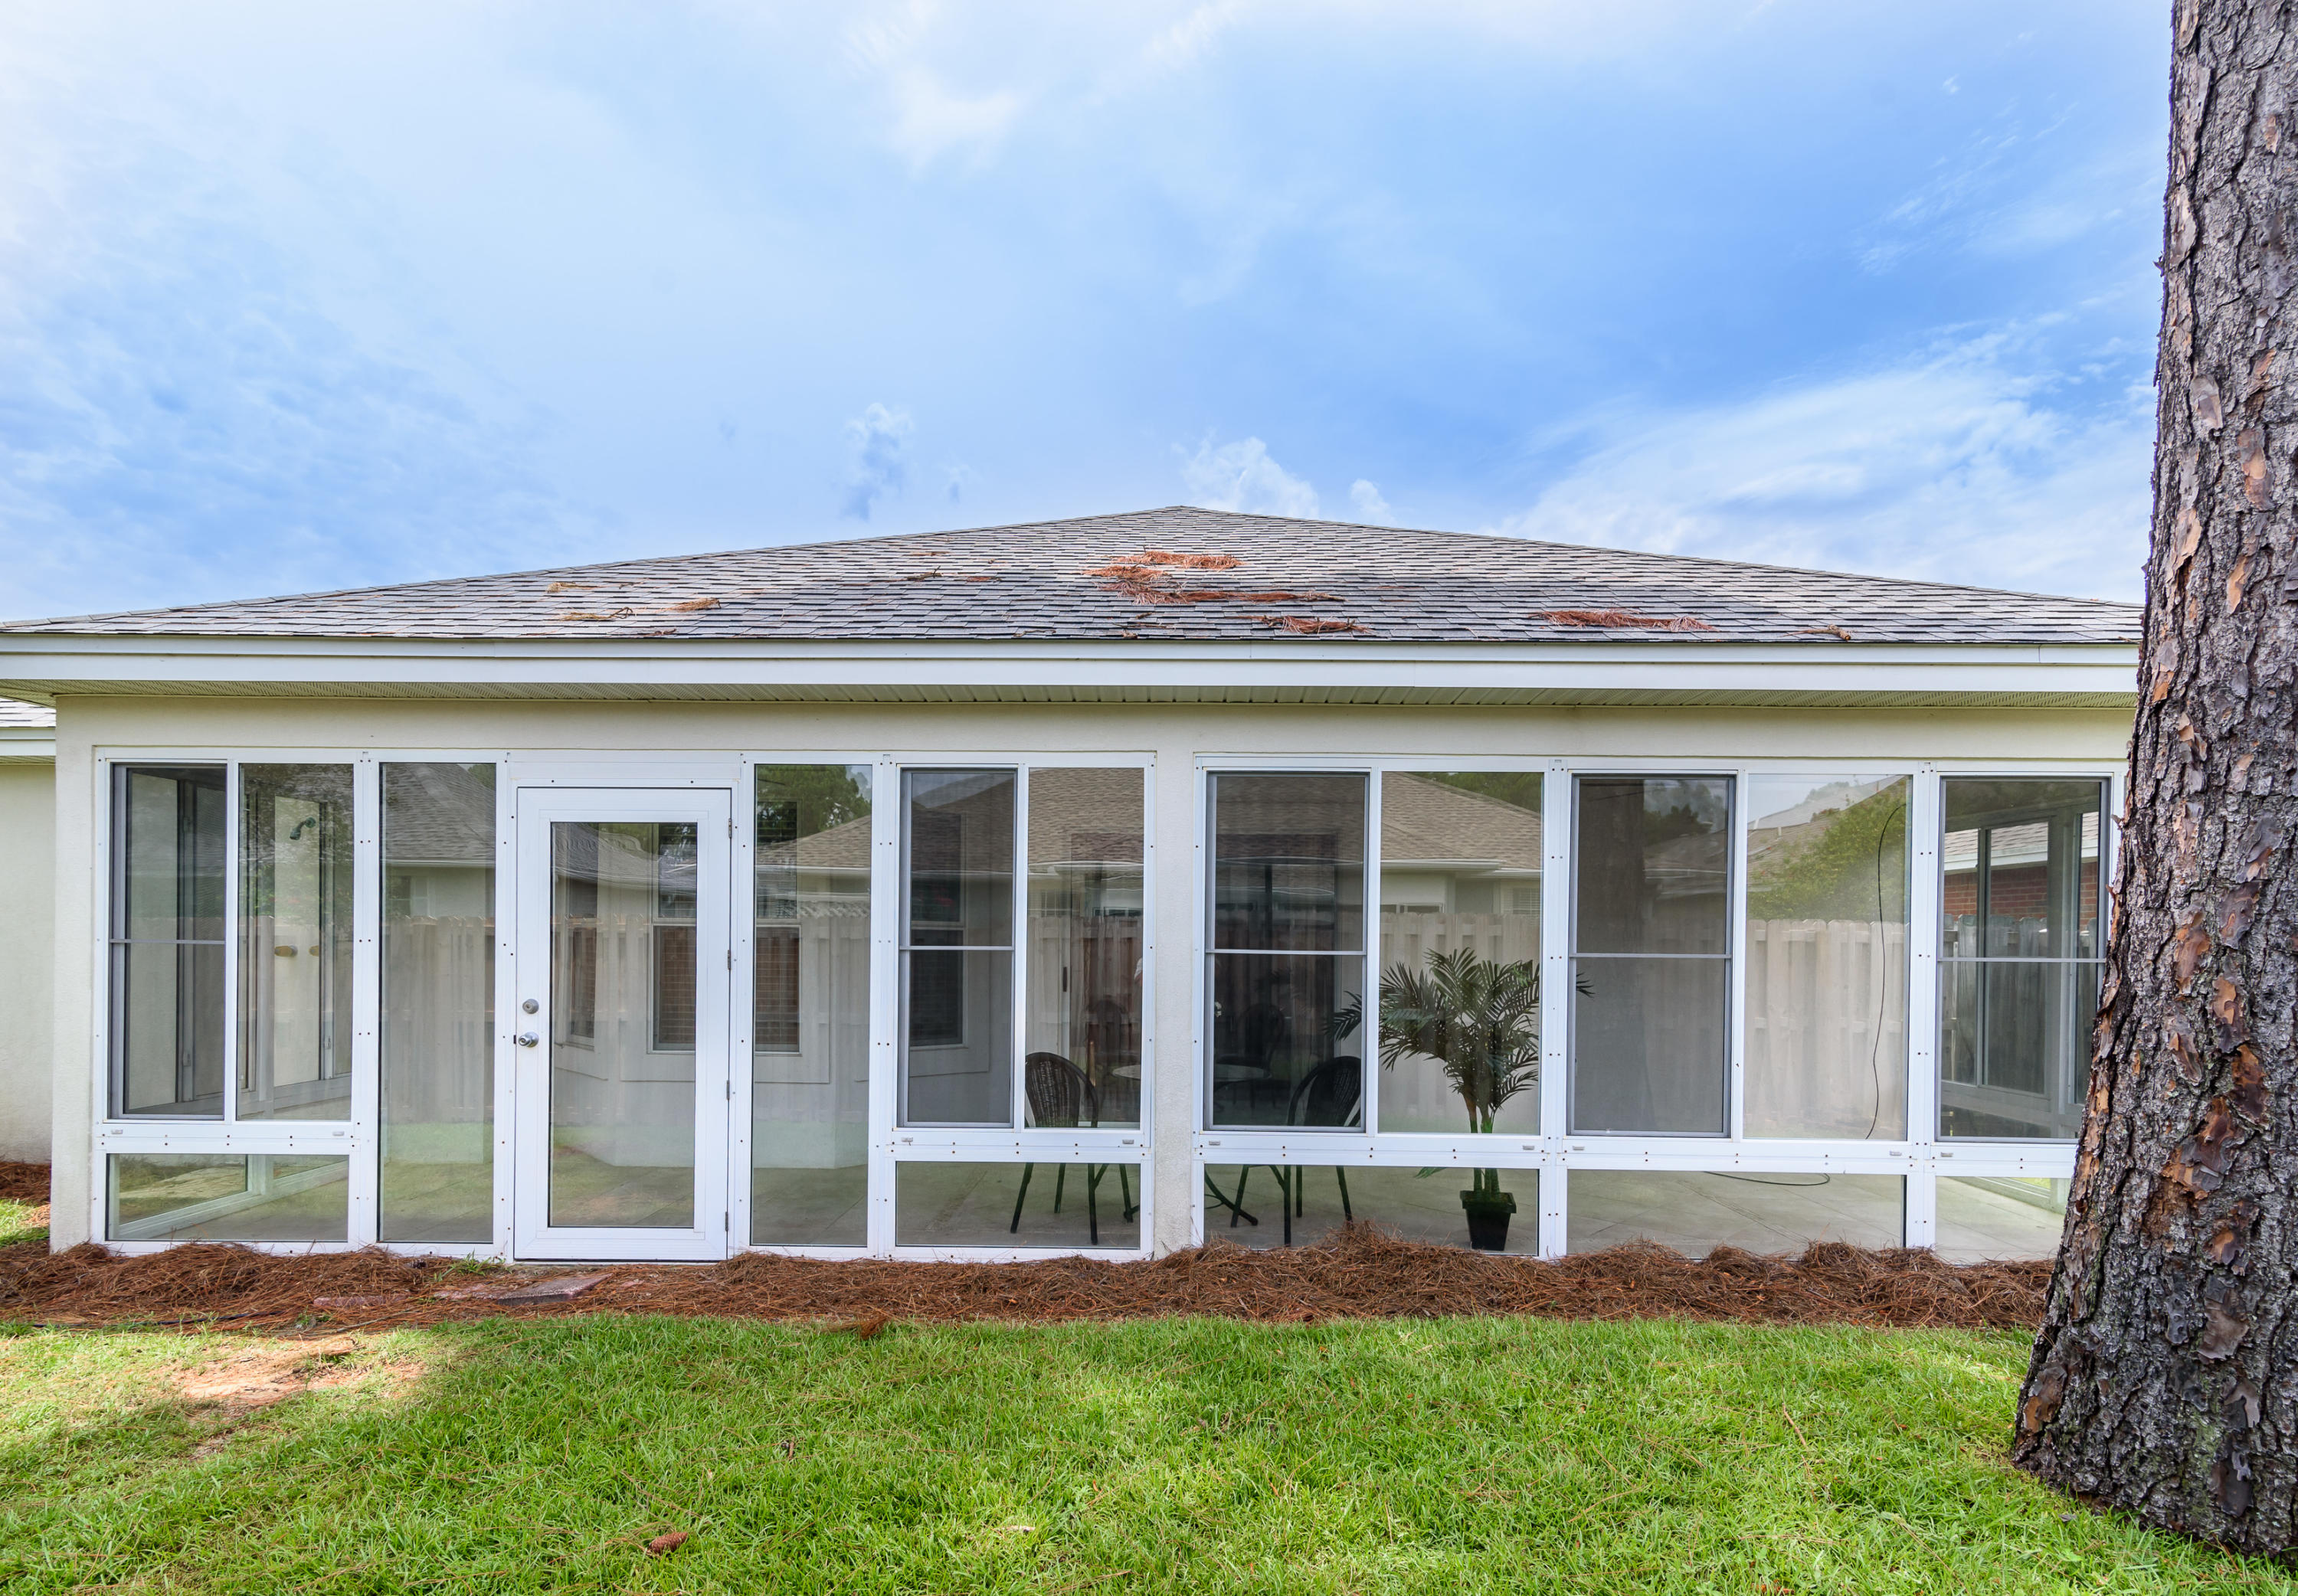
2165	1379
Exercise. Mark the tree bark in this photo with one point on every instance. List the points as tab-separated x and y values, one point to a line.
2165	1378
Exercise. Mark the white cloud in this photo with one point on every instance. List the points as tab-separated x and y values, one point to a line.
1365	499
876	440
1241	476
931	120
1956	468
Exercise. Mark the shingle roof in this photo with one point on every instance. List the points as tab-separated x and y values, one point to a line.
1097	577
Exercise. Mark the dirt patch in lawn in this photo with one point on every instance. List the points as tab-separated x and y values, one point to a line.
1360	1272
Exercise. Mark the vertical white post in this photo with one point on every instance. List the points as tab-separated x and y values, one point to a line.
1735	943
366	1000
1923	922
742	1050
231	940
886	893
1017	1098
507	1011
1368	997
1556	805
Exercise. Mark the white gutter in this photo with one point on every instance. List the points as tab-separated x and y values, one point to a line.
41	666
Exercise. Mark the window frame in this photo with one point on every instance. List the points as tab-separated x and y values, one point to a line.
893	1143
1920	1155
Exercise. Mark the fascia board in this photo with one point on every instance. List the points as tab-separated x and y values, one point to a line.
44	665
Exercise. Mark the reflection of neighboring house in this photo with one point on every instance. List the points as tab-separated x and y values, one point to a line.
2017	870
1446	850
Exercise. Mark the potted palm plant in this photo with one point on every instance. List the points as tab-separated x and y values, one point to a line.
1480	1020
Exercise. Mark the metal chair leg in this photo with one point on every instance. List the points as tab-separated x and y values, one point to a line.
1061	1173
1092	1205
1346	1212
1285	1187
1015	1228
1124	1190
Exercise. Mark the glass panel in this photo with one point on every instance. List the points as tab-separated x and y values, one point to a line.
2000	1216
621	1108
1459	951
296	942
1695	1214
959	841
1648	1035
957	1061
2019	945
205	1196
1070	1206
167	942
1286	1045
2021	857
810	1006
1265	1205
957	1054
438	1003
1652	925
1827	957
2015	1048
1084	1038
1288	863
1654	866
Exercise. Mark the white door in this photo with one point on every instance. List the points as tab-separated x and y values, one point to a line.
620	967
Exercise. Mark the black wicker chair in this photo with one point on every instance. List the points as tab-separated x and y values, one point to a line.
1062	1098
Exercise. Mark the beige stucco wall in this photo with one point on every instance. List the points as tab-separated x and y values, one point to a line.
27	898
1176	735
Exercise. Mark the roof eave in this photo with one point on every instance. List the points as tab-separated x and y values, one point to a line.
44	666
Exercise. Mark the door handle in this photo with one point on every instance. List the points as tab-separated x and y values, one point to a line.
527	1038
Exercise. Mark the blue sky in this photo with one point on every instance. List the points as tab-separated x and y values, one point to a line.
298	296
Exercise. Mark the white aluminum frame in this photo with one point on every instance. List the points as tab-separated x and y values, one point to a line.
1919	1157
710	809
1018	1143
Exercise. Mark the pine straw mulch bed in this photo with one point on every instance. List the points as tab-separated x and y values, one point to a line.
23	1182
1361	1272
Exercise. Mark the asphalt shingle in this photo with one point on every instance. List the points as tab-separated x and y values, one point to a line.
1106	577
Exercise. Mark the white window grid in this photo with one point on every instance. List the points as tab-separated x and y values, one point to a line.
1921	1157
357	1138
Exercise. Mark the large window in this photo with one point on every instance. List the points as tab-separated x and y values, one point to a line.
294	942
167	1018
438	1003
1826	1008
957	946
1082	1067
1651	955
1288	976
2019	954
1458	1040
810	1004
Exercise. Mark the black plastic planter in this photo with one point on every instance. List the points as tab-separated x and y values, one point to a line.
1488	1219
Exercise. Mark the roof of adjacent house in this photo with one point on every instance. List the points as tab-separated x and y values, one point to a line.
15	715
1176	573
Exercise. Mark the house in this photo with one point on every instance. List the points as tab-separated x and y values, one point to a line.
28	899
981	893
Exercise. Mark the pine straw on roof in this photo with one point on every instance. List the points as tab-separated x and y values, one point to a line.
1361	1272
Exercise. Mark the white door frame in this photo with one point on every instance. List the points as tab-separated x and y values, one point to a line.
535	808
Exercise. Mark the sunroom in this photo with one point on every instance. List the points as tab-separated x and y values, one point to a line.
1047	900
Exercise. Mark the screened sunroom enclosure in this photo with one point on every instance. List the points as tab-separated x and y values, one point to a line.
857	1003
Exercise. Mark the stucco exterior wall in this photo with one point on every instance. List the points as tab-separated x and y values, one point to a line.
1176	735
27	898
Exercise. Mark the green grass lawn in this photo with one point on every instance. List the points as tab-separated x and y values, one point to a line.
1197	1455
16	1222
